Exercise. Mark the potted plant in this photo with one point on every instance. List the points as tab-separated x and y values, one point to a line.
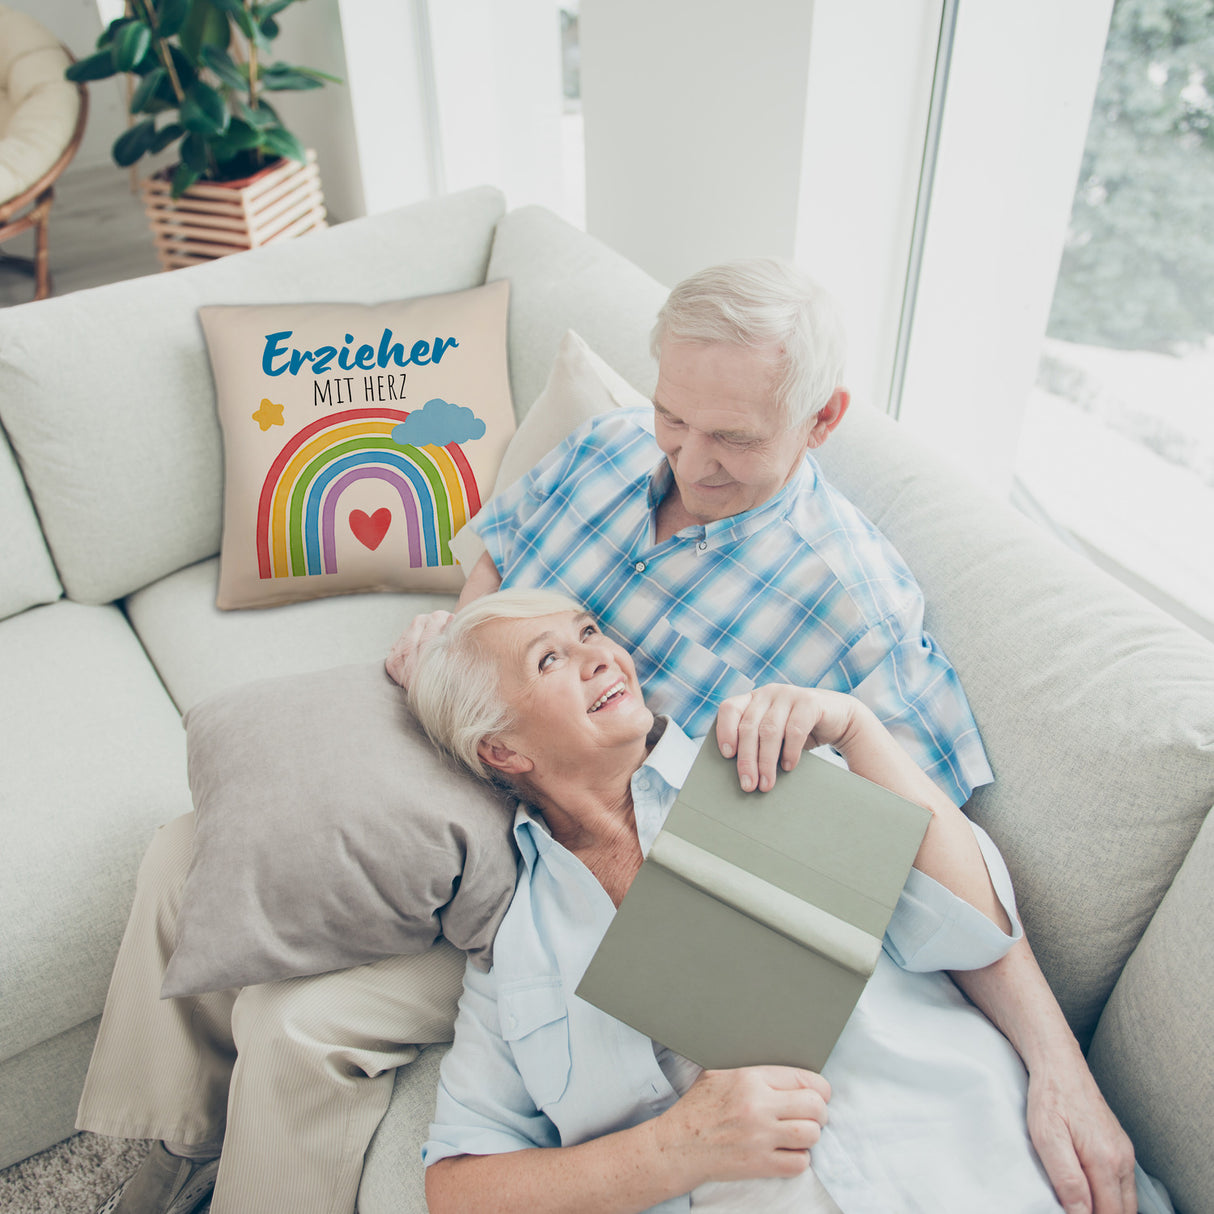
201	71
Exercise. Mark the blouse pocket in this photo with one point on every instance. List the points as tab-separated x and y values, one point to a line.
535	1023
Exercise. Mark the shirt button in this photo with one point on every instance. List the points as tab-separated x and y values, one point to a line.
702	545
639	566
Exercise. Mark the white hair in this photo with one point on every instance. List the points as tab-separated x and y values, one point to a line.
763	303
454	691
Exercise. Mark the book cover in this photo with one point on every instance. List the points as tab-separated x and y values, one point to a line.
755	921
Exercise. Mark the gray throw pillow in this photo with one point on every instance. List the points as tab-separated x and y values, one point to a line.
330	833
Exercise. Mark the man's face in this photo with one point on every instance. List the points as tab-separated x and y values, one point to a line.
716	419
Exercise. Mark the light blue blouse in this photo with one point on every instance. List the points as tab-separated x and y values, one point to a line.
928	1104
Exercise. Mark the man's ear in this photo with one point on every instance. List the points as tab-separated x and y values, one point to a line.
829	416
495	754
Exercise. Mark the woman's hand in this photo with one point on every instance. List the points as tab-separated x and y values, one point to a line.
755	1121
401	661
770	727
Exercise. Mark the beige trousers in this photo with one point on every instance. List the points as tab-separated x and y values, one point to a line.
293	1076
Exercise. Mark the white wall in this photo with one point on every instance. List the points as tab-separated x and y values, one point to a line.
694	126
497	66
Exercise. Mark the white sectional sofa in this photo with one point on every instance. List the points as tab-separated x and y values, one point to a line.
1097	711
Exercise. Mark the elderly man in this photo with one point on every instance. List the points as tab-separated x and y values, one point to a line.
705	539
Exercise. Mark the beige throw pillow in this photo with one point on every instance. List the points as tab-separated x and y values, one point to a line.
358	440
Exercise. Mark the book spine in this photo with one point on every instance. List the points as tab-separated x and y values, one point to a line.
802	922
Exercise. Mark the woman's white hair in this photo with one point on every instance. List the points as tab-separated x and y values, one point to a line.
454	691
763	303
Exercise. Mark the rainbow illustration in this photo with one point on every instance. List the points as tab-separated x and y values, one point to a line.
297	509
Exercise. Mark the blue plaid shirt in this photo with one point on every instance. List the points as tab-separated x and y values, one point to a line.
802	589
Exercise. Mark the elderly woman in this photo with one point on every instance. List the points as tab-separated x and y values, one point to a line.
547	1103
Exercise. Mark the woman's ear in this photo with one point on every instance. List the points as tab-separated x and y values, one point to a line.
496	754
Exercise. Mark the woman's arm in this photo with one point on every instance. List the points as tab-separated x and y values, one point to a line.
730	1125
769	728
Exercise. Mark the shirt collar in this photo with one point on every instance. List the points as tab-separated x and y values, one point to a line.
737	526
655	784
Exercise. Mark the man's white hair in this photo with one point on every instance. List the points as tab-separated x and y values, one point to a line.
763	303
455	692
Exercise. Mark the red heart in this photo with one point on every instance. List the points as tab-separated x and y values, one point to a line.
370	529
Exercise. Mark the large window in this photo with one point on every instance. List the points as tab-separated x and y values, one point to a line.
1117	445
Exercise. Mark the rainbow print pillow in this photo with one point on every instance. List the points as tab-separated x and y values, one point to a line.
358	439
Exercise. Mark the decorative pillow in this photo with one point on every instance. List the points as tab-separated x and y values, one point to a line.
329	833
580	386
358	439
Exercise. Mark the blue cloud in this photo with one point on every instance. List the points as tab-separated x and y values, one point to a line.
438	422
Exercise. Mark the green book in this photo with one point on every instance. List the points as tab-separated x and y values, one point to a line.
757	918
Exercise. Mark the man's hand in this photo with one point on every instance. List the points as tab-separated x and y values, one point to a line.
770	727
400	661
1087	1155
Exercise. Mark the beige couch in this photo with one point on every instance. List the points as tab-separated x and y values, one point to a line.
1097	711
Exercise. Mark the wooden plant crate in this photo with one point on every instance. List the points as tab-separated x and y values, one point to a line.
215	218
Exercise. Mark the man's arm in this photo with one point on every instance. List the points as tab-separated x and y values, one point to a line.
484	579
1087	1155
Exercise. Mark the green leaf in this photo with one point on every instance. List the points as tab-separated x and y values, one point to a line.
270	9
281	142
132	144
268	29
130	45
106	38
171	16
237	12
262	118
144	98
205	26
319	75
187	73
194	153
203	112
241	137
183	178
166	135
225	67
95	67
279	77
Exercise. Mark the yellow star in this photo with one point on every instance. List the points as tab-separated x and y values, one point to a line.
268	415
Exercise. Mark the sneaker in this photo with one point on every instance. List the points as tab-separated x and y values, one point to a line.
164	1184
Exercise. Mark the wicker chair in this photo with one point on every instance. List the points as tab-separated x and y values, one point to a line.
42	118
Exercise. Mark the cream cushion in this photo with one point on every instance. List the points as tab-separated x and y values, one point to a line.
38	106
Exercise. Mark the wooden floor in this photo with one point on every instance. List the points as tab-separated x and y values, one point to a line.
98	234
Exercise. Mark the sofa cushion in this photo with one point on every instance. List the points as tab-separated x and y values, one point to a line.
29	574
1152	1054
328	833
199	650
393	1179
358	439
116	429
93	759
562	279
1097	711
